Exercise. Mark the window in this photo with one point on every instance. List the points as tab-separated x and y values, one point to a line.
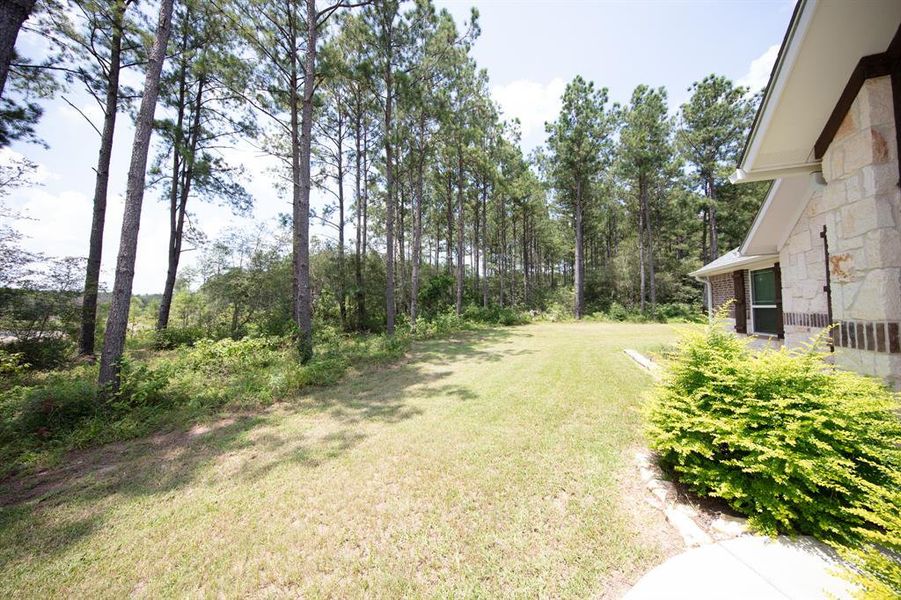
763	301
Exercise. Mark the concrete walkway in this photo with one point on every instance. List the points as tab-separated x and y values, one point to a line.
749	566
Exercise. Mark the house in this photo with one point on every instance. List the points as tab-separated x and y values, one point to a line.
825	246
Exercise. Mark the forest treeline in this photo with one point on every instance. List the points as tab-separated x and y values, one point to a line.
433	206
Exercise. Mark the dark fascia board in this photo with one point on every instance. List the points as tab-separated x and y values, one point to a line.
792	25
875	65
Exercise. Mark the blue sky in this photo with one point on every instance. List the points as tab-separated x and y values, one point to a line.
530	49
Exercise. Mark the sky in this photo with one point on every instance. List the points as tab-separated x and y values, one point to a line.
530	49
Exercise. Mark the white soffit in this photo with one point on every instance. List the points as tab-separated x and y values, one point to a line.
826	40
777	217
734	260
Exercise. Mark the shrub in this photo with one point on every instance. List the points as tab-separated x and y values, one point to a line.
12	364
45	352
140	386
174	337
783	437
222	357
58	406
617	312
680	312
494	315
436	295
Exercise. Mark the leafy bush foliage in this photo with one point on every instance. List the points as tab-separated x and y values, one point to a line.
783	437
47	352
173	337
676	312
680	312
57	406
436	294
12	364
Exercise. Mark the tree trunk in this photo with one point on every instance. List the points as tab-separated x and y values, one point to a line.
180	208
117	323
449	259
711	218
525	257
13	14
460	216
416	256
476	226
177	150
389	189
502	251
342	284
303	306
579	266
642	274
361	305
358	257
401	276
704	257
101	185
649	236
485	245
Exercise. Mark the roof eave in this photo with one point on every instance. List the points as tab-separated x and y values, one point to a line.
739	265
742	176
773	88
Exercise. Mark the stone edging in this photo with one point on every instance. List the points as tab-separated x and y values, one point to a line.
646	363
686	519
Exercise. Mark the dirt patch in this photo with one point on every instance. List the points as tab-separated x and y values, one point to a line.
111	463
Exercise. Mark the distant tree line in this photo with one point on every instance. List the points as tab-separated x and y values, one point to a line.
380	105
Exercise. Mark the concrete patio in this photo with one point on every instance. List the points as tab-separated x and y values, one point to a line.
749	566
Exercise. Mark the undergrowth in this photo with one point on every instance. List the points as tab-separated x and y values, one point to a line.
44	414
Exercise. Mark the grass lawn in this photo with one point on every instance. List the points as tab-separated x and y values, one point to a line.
494	464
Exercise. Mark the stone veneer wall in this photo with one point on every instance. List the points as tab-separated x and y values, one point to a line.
861	208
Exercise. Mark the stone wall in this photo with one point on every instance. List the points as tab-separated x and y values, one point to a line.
861	209
803	262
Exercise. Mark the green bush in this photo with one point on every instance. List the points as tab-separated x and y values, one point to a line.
788	440
680	312
174	337
58	406
47	352
12	364
223	357
436	295
140	386
618	312
494	315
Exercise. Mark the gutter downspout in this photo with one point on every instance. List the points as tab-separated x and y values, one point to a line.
708	292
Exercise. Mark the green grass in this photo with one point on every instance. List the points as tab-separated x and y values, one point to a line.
496	463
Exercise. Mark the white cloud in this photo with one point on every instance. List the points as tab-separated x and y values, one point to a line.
39	176
758	74
531	102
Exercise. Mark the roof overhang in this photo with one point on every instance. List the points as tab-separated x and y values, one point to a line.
824	43
733	261
781	209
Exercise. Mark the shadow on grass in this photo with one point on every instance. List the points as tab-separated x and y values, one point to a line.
43	514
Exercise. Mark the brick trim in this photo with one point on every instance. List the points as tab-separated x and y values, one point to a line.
873	336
